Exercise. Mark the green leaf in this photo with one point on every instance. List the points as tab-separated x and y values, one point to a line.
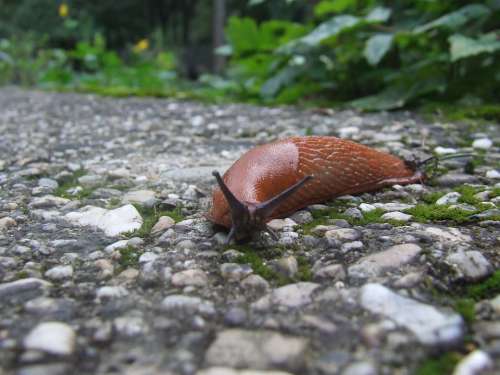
332	6
456	19
379	14
283	78
243	35
462	46
377	47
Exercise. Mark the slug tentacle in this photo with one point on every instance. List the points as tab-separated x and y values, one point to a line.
247	216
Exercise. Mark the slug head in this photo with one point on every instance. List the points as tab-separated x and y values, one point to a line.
249	217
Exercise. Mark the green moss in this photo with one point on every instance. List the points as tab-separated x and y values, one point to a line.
305	273
22	275
485	289
114	202
465	307
150	216
425	213
129	257
431	198
70	182
441	365
257	264
467	194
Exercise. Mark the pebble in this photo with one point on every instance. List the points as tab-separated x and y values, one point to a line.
482	143
474	363
48	201
191	277
235	271
255	284
280	224
493	173
427	323
343	234
448	198
112	222
332	272
288	296
455	179
60	273
91	180
353	213
471	265
365	207
51	337
105	293
397	216
287	266
180	304
260	350
163	223
231	371
7	222
390	207
351	246
445	150
388	260
23	290
302	217
140	197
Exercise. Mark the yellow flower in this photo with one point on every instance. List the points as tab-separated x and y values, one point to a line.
141	45
63	10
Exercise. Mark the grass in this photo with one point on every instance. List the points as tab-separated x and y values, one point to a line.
425	213
439	365
72	182
129	257
486	289
150	216
465	307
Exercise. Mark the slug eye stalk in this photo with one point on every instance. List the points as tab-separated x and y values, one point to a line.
248	217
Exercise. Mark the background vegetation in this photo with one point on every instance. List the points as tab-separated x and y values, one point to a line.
369	54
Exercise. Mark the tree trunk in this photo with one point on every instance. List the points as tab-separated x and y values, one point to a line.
219	16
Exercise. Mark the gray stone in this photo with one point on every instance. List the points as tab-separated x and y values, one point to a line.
351	246
475	363
360	368
180	304
192	277
482	143
51	337
48	183
456	179
332	272
448	198
235	271
60	273
141	197
471	265
230	371
396	216
105	293
112	222
91	180
289	296
343	234
388	260
353	213
6	223
280	224
288	266
259	350
23	290
255	283
163	223
394	206
302	217
427	323
48	201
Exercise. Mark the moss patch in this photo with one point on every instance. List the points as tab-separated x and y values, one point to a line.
441	365
465	307
425	213
129	257
485	289
150	216
70	182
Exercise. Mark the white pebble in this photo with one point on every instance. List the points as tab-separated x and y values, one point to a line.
51	337
483	143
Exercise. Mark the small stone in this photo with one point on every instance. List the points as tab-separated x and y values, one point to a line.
456	179
365	207
112	222
394	206
287	266
428	324
181	304
343	234
147	257
140	197
192	277
259	350
474	363
471	265
449	198
487	214
235	316
353	213
23	290
135	242
48	183
332	272
60	272
6	223
51	337
235	271
48	201
288	296
360	368
351	246
106	268
122	244
91	180
391	259
163	223
493	173
482	143
445	150
255	283
280	224
288	238
302	217
110	292
495	302
397	216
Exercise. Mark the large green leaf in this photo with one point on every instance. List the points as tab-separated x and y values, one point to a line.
379	14
456	19
462	46
332	6
328	29
377	46
243	35
283	78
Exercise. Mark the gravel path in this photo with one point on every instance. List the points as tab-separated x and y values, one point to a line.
108	265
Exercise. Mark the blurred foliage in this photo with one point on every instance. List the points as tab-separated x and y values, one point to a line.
370	54
375	54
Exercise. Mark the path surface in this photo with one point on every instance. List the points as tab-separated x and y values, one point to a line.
80	294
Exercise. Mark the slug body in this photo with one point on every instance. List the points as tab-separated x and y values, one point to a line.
337	167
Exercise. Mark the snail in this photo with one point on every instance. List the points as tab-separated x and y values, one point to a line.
276	179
